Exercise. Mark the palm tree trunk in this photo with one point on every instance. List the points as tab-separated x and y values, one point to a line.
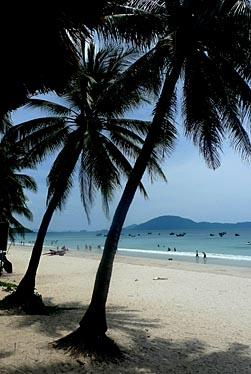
24	294
26	287
93	324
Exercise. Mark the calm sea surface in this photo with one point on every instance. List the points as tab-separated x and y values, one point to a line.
230	249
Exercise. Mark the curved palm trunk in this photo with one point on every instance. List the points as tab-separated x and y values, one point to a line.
25	290
93	324
26	287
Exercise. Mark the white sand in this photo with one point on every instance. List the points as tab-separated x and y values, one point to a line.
194	320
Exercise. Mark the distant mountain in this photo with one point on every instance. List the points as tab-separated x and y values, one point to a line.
178	223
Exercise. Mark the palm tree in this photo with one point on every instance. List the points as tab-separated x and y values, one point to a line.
205	47
92	136
13	201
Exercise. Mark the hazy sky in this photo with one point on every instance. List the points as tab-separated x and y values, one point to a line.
193	191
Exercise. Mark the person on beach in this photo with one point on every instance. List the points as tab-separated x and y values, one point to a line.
204	256
197	255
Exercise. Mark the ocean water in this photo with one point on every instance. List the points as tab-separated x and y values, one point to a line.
231	249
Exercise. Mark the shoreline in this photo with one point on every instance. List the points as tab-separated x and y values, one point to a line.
205	267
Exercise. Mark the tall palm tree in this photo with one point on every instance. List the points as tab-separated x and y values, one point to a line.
13	201
92	136
205	47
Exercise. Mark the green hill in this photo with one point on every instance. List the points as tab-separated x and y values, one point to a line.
178	223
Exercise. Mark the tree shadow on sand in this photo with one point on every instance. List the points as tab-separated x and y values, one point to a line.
68	316
158	356
142	354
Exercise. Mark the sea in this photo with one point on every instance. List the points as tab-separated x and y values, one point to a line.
230	248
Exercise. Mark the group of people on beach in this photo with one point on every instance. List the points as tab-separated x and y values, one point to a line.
169	249
197	255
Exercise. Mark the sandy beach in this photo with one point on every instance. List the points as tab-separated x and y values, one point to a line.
168	317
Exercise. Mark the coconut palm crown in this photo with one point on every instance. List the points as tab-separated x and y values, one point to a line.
208	44
87	124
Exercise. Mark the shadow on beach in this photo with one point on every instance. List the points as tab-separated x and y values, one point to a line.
144	354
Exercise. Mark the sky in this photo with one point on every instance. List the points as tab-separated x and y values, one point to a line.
193	190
